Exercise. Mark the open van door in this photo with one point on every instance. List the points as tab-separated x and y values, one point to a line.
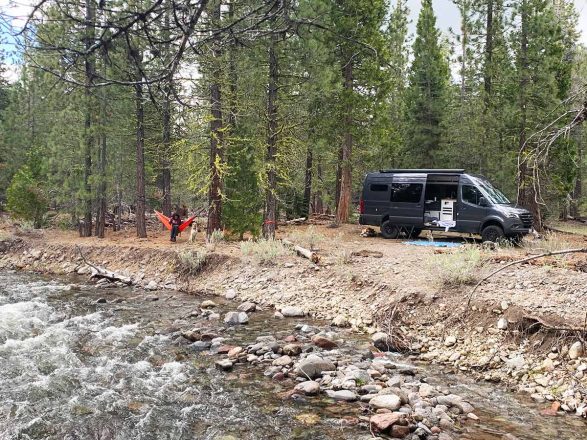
406	206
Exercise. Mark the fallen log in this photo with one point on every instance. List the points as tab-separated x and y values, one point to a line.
306	253
100	272
296	221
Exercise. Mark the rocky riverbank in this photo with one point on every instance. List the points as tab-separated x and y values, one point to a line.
494	343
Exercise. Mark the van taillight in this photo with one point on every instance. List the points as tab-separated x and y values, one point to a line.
361	206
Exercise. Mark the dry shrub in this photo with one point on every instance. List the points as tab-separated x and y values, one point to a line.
550	242
192	262
309	238
458	267
263	251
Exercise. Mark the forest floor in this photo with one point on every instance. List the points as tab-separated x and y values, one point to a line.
525	326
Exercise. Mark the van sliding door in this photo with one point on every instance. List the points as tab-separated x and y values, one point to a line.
407	200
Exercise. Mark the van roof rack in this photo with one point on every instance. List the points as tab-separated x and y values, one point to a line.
430	171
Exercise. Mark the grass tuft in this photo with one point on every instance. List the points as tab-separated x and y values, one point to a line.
263	251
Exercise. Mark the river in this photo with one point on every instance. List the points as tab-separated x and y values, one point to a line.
75	368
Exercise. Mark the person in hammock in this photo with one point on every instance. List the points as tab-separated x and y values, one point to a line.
175	222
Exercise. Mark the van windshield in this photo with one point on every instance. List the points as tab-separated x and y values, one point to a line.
491	193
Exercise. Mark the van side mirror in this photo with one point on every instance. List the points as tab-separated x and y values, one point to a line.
483	201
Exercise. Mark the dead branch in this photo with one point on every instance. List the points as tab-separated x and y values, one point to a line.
524	260
100	272
306	253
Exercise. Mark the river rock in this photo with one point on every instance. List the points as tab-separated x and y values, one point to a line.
382	341
345	395
292	349
235	351
208	304
452	400
151	285
309	388
426	390
292	312
341	321
201	345
387	401
224	364
278	315
313	366
235	318
576	350
502	324
450	341
399	431
382	422
230	294
323	342
247	307
282	361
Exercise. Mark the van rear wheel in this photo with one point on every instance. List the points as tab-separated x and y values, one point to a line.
389	230
492	233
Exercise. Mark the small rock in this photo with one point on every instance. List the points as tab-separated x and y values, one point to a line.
382	341
224	364
398	431
247	307
576	350
504	305
323	342
387	401
341	321
235	351
282	361
230	294
235	318
502	324
309	388
382	422
152	298
292	349
292	312
151	285
472	416
313	366
208	304
345	395
548	365
278	315
450	341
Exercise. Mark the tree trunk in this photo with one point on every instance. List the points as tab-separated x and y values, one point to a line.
166	120
271	191
102	205
487	84
527	196
344	203
578	190
338	179
318	203
140	153
90	71
308	183
216	136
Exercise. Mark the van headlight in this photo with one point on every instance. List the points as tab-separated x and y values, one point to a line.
512	215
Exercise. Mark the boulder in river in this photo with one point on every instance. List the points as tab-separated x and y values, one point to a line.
247	307
292	312
208	304
235	318
224	364
386	401
282	361
382	422
309	388
345	395
313	366
323	342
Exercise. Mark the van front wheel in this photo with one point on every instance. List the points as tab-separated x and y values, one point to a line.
389	230
492	233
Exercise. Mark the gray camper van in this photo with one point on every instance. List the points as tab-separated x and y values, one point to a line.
408	201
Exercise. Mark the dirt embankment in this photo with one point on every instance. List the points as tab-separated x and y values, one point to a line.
525	326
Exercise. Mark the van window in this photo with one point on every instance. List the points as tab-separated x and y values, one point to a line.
378	188
471	194
406	192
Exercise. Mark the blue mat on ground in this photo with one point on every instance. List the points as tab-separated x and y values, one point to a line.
446	244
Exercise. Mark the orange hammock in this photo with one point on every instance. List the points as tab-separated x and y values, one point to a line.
167	221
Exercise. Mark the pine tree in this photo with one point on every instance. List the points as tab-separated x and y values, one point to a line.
428	81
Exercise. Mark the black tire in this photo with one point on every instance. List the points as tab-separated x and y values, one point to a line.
492	233
389	230
414	233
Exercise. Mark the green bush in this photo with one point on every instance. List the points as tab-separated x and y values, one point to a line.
26	199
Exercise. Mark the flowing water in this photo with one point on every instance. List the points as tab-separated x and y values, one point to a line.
74	369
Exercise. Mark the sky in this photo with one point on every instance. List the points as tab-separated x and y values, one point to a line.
446	13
